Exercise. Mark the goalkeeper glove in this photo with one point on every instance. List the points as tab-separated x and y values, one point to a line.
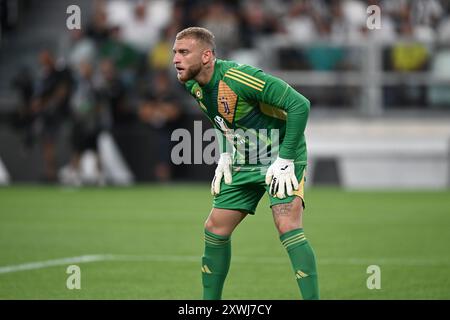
223	170
281	177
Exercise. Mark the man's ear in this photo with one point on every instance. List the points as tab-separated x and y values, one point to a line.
207	56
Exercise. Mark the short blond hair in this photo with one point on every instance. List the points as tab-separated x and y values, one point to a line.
200	34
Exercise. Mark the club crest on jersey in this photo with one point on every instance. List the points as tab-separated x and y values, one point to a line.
198	93
226	107
226	101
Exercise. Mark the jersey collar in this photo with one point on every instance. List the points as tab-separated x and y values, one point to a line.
210	85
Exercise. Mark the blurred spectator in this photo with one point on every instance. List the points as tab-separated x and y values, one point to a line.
142	30
394	9
77	48
159	58
408	56
256	22
126	60
348	20
50	105
222	21
299	23
188	13
87	125
439	95
387	33
112	95
159	110
23	116
118	12
98	29
425	15
443	30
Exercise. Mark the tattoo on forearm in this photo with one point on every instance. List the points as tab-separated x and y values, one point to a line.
282	209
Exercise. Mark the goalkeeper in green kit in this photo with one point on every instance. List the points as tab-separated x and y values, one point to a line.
257	115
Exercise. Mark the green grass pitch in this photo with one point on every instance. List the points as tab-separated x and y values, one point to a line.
145	242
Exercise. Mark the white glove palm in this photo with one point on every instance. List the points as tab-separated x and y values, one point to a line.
223	170
281	177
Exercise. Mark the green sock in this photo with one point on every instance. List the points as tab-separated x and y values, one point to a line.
215	264
303	262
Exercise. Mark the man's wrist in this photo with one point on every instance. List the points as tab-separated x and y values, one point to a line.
284	159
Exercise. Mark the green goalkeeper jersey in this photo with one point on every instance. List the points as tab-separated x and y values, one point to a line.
258	115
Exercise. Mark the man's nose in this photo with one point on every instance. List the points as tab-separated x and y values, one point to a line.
176	58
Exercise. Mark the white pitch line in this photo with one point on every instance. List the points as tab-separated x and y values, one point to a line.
51	263
174	258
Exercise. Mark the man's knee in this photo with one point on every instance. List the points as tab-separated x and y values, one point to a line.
209	225
213	226
287	226
222	222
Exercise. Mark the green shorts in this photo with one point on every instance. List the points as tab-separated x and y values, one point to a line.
247	189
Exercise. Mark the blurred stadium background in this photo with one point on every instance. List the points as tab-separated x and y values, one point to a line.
378	139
